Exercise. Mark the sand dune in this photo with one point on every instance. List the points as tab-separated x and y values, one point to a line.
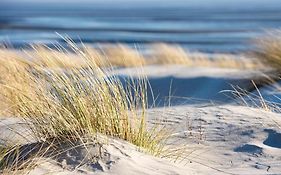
232	139
223	138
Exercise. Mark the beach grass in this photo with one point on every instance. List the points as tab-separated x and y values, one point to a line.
63	104
165	54
268	49
123	56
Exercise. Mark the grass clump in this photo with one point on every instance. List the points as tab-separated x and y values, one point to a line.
121	55
168	55
268	49
12	75
79	104
165	54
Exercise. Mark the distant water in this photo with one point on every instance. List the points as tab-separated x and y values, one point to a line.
202	29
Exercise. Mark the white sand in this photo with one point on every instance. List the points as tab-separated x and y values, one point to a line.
232	139
221	139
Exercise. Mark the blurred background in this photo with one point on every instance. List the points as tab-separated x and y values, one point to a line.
209	26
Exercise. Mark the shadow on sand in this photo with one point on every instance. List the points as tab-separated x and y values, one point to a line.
170	90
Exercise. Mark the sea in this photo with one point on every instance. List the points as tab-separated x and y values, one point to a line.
211	28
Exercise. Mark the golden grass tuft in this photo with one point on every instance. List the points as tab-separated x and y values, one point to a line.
236	62
46	57
77	103
71	102
120	55
268	49
166	54
10	66
59	57
173	54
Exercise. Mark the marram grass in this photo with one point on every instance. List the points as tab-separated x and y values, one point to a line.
77	103
268	49
122	56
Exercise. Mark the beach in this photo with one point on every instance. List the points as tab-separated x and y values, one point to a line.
152	88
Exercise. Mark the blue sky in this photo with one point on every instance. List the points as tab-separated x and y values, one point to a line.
227	3
145	1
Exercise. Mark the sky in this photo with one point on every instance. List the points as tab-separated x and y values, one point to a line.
144	1
196	3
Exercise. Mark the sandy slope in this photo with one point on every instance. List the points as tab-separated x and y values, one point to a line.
221	138
231	139
123	159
